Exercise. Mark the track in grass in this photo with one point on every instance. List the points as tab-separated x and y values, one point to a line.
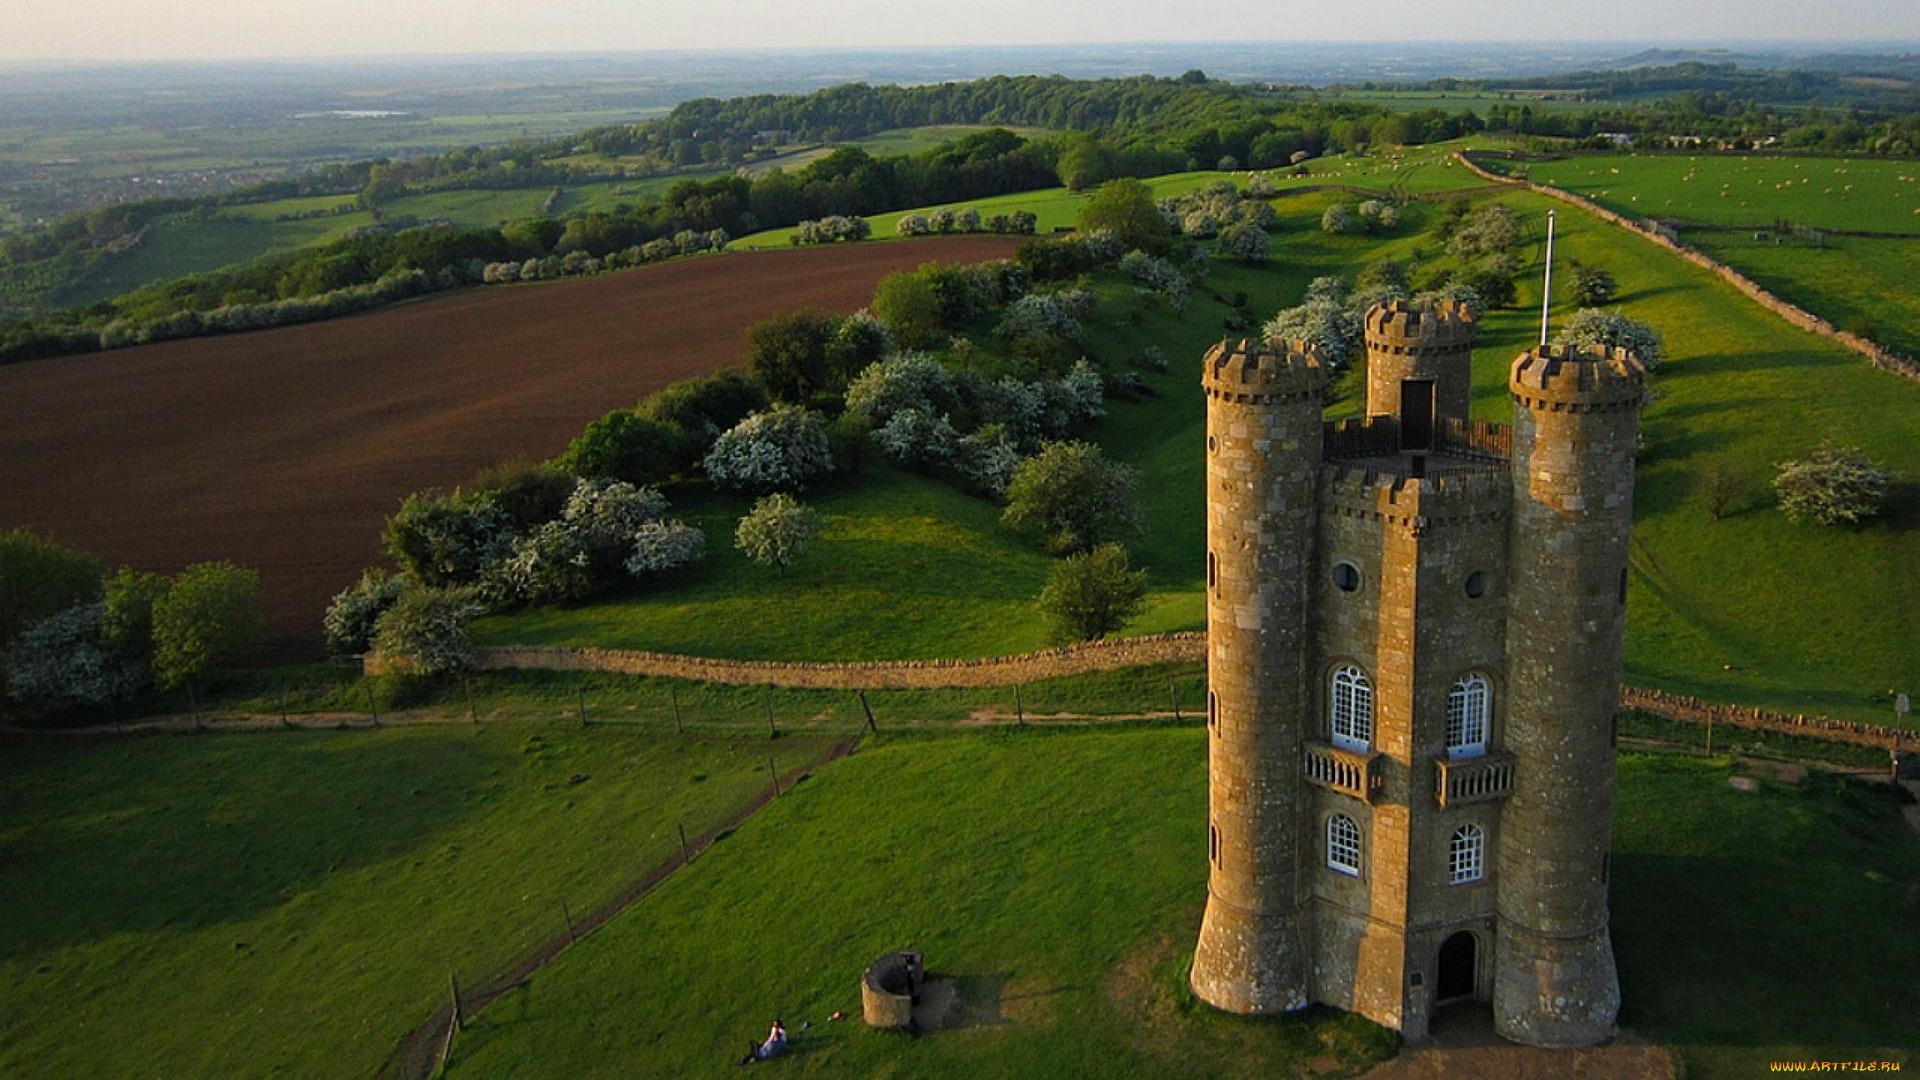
286	449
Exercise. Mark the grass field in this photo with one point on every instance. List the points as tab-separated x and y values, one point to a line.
1752	609
1066	911
292	903
1725	189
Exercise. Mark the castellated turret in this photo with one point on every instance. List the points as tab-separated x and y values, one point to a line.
1414	643
1576	422
1263	451
1422	348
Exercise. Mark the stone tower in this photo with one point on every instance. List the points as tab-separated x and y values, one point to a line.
1414	645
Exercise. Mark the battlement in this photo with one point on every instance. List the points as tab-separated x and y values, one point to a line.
1401	326
1454	493
1252	372
1565	378
1456	443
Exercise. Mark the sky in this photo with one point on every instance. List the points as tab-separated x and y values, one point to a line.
207	29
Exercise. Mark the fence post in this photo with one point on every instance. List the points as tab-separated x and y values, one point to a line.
459	1015
685	858
568	916
193	706
775	773
871	726
580	693
674	691
1174	693
466	684
1709	733
772	732
1019	710
373	705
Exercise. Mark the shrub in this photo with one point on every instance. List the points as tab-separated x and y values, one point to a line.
1340	220
1125	208
986	459
832	229
624	446
1261	186
857	340
783	448
665	545
1046	323
913	225
1072	497
1157	276
1833	485
703	408
39	578
941	220
1081	394
349	622
908	307
777	531
551	563
1593	287
917	439
788	354
1590	326
68	660
1328	324
530	492
209	619
1491	230
429	630
902	381
1092	594
129	596
1246	242
448	539
1492	282
1151	358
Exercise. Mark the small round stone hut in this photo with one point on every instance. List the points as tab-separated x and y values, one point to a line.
890	989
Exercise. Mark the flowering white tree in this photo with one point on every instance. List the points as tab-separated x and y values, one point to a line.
665	545
917	439
1833	485
67	661
783	448
1246	242
777	531
1592	326
913	225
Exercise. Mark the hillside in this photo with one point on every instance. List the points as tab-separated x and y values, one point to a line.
286	449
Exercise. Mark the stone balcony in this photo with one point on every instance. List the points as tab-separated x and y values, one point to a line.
1471	780
1348	772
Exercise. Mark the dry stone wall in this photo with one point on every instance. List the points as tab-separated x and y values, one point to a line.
1876	355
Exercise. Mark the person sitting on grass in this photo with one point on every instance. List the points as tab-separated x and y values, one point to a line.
775	1045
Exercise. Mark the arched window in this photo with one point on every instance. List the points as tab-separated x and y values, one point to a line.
1343	845
1467	855
1352	709
1469	706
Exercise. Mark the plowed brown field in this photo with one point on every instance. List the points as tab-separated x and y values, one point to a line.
286	449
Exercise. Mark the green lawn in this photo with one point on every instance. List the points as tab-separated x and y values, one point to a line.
292	903
1068	908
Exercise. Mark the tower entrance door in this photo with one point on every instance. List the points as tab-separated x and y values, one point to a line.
1416	414
1459	955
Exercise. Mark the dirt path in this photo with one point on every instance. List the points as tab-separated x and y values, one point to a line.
286	449
424	1048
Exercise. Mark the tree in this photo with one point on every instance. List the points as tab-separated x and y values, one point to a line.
784	448
39	578
1126	208
67	660
429	631
1719	485
211	618
622	445
703	408
1590	326
1832	485
906	304
1245	241
1593	286
788	354
127	622
1340	220
449	539
1073	498
1491	230
777	531
1092	594
355	611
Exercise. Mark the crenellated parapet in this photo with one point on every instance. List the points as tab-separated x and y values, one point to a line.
1418	504
1568	378
1254	373
1401	326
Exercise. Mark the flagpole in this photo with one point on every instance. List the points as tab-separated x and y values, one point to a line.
1546	290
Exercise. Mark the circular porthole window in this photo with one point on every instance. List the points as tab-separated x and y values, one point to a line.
1478	583
1346	576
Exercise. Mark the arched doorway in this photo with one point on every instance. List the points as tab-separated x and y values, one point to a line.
1459	955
